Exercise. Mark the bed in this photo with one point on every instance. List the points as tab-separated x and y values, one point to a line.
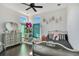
53	50
55	47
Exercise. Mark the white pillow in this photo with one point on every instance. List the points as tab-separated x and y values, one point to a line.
0	43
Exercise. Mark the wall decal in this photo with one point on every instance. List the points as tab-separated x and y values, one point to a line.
56	20
47	22
53	18
44	20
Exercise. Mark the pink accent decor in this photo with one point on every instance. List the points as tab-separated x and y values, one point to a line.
29	25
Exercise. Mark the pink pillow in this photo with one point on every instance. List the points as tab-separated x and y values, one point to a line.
44	38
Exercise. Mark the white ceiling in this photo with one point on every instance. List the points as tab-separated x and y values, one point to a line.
21	8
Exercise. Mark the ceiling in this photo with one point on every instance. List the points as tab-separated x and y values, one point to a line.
46	7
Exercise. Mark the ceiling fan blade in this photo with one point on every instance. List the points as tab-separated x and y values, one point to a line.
38	6
28	8
32	4
34	9
26	4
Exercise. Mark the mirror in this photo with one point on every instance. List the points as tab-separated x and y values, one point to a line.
9	27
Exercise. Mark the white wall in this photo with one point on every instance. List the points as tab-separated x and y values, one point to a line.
7	14
52	25
73	25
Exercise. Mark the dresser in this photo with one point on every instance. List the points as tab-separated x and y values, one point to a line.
1	44
11	39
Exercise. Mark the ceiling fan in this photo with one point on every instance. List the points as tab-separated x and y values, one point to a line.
33	6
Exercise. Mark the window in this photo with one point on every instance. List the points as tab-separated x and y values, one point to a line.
37	19
23	19
36	27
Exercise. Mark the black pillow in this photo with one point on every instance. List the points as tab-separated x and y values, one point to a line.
62	41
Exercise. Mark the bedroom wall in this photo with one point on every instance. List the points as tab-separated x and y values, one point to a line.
50	25
73	25
7	14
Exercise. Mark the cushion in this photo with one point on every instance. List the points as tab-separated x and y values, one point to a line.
63	40
0	43
44	38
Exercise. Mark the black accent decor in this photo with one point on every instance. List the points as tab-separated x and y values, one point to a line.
61	40
33	6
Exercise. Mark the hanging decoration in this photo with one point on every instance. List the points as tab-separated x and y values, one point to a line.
53	18
44	20
60	18
47	22
56	20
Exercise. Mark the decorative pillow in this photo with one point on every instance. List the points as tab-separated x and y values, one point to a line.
50	36
44	38
56	36
63	40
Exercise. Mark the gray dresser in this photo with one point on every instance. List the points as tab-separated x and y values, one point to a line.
1	44
11	39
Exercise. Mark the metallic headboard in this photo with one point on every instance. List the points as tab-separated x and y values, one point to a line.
61	34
